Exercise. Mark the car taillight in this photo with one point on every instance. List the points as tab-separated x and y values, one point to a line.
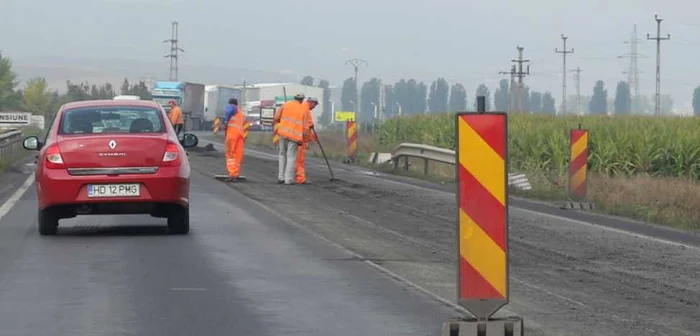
53	158
172	156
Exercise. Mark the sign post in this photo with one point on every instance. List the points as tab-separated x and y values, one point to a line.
578	164
15	119
482	224
217	125
351	135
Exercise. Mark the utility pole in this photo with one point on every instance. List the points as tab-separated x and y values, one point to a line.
355	63
511	90
577	71
563	73
174	49
382	108
244	93
658	39
520	74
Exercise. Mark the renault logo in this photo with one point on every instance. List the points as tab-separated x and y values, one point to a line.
112	144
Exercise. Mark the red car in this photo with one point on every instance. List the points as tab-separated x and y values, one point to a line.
111	157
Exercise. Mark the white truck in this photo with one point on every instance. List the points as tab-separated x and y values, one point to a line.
215	101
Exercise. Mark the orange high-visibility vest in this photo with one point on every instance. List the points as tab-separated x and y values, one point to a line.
176	117
234	127
292	121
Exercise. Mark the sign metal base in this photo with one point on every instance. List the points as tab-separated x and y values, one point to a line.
509	326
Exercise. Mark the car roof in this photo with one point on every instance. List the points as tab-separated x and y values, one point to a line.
110	102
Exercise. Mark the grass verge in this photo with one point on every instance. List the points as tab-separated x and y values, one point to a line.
18	152
668	201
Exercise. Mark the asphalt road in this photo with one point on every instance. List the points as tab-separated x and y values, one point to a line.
243	270
581	275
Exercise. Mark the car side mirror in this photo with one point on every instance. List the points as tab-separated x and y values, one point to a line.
189	140
31	143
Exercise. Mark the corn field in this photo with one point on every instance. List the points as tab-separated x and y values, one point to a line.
659	146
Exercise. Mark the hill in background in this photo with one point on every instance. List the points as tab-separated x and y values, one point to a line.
98	71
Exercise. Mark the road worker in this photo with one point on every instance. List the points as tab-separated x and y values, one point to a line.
176	117
311	103
293	127
234	139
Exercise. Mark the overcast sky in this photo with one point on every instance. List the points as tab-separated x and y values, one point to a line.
466	41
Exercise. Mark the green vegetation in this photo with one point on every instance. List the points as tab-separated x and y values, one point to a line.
661	146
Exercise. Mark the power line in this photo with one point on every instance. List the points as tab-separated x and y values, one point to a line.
563	73
174	49
520	74
355	63
658	39
577	71
511	89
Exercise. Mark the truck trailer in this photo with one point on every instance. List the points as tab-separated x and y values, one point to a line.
189	96
215	101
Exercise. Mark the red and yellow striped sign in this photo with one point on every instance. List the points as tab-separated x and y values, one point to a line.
483	201
351	133
578	164
217	125
275	136
246	126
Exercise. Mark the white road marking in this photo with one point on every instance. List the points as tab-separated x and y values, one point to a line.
182	289
630	233
5	208
526	284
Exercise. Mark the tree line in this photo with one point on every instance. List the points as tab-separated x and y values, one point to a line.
410	97
37	98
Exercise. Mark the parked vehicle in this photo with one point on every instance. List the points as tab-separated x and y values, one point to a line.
112	157
189	96
215	101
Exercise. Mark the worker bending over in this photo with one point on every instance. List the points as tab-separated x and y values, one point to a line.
293	126
176	118
234	139
311	103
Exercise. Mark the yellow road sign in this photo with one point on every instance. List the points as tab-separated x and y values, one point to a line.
344	116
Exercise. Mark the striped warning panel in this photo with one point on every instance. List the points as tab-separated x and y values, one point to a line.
482	223
578	164
217	125
275	136
246	127
352	140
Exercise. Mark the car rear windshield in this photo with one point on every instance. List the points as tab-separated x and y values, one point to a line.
111	119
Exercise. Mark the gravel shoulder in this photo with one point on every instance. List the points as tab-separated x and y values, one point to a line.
566	278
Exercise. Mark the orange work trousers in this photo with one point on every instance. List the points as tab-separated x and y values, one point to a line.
235	145
300	170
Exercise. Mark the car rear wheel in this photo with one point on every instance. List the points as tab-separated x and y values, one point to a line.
179	220
48	222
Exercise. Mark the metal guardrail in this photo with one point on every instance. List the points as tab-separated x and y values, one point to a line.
442	155
10	142
425	152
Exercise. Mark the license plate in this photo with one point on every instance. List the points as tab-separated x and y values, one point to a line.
114	190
